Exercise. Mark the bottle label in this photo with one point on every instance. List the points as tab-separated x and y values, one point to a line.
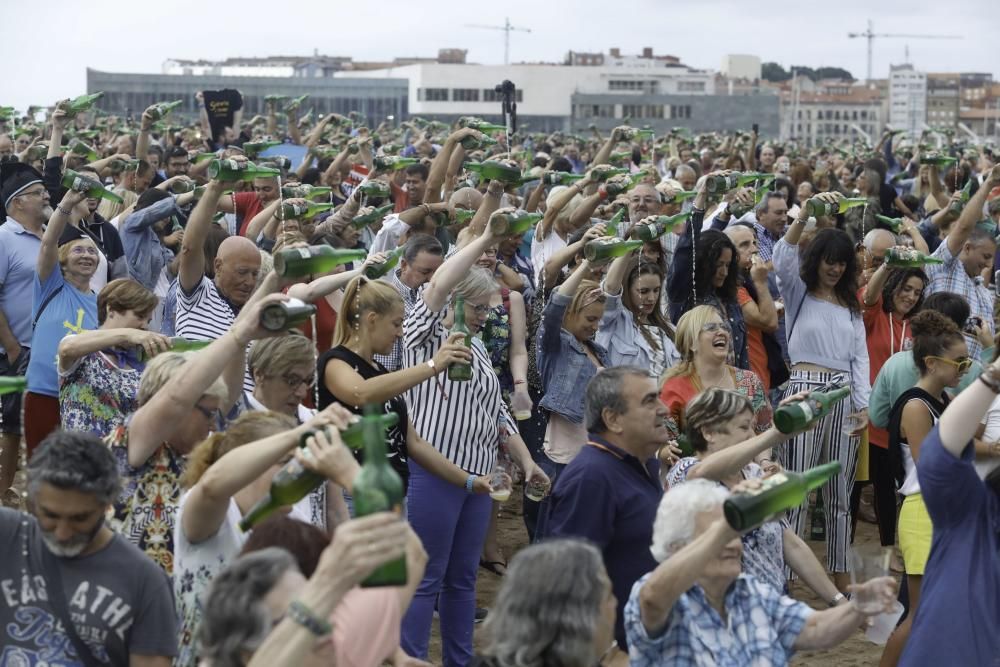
769	483
304	253
807	410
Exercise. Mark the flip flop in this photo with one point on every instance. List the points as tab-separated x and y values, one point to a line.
492	566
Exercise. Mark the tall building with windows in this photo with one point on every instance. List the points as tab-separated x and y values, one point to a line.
907	98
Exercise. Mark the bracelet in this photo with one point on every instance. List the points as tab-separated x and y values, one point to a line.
469	481
305	617
62	210
992	384
836	599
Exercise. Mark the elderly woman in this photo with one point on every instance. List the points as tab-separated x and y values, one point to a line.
261	611
283	374
181	398
698	591
555	607
720	430
62	303
467	421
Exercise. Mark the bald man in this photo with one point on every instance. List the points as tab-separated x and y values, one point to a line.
6	146
207	308
876	243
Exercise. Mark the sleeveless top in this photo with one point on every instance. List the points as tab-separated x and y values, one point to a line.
904	469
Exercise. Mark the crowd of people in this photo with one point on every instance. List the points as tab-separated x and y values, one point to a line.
606	322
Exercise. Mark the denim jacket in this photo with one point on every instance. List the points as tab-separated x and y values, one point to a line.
563	362
146	255
625	343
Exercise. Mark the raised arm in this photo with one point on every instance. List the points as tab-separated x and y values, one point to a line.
266	215
873	290
972	213
724	463
454	269
602	155
489	206
75	347
155	422
48	253
558	203
142	141
439	166
565	255
192	267
761	313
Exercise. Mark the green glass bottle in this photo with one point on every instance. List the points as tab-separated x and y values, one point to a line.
561	178
491	170
118	166
314	191
285	315
817	528
936	160
292	192
279	162
463	216
480	124
179	344
313	260
619	157
378	488
908	257
778	494
651	231
290	211
384	163
198	158
13	384
158	111
374	189
7	113
71	180
611	226
460	371
818	208
606	249
376	271
799	415
634	133
373	216
293	482
254	148
275	98
180	187
617	186
604	172
391	149
478	143
966	193
80	149
296	103
509	224
234	170
894	224
80	104
682	196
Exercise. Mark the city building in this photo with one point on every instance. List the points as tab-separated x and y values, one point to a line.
738	66
943	98
907	98
813	112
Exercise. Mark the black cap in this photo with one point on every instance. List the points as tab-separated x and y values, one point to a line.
15	177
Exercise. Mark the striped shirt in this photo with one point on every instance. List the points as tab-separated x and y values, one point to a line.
394	360
205	314
469	426
952	277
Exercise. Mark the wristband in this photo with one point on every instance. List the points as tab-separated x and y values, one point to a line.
836	599
305	617
991	384
469	481
62	210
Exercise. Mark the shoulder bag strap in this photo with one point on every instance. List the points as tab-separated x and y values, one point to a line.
45	303
798	312
57	598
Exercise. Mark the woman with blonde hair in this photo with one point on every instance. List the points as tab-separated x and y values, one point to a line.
229	473
703	342
99	370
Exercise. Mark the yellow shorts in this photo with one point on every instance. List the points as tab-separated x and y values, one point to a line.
915	533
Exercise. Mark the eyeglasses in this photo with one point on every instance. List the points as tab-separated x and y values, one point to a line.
294	381
83	250
35	193
478	310
715	326
962	365
213	416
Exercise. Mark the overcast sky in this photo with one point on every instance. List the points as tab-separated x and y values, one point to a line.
118	36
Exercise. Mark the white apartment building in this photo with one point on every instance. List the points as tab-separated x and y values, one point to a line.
907	98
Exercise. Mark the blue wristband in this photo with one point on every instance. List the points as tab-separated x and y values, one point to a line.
469	482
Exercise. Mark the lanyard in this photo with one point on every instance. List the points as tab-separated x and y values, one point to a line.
892	337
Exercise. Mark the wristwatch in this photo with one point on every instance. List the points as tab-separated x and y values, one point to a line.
432	366
836	599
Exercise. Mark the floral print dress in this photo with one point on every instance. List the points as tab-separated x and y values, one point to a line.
99	391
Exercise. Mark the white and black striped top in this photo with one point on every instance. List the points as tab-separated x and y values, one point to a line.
205	314
468	427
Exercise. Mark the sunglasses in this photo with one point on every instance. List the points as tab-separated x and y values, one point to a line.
962	365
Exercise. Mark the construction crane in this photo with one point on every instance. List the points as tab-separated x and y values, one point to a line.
507	28
870	35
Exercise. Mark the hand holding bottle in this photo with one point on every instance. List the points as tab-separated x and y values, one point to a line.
247	326
596	231
453	350
325	453
831	198
359	547
152	343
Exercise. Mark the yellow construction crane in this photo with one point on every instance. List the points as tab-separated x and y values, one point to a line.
870	35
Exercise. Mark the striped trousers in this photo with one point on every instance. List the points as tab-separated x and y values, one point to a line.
825	443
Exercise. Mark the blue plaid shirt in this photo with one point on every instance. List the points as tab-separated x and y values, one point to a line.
952	277
761	628
394	360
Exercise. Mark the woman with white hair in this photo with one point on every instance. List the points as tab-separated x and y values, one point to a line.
555	607
696	608
566	209
467	421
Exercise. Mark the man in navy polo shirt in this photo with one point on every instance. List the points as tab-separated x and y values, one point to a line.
610	492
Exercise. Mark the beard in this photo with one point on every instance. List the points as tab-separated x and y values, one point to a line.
75	545
47	211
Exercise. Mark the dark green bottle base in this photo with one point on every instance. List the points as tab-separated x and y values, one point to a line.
390	574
